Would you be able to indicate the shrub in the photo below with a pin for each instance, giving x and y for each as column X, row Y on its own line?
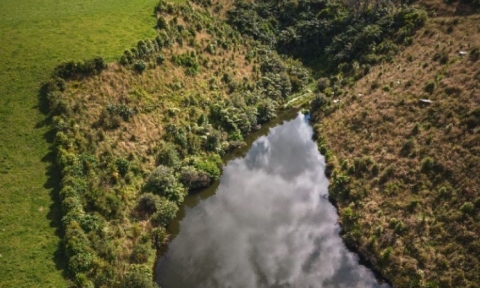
column 80, row 262
column 166, row 211
column 430, row 87
column 323, row 83
column 137, row 279
column 475, row 54
column 159, row 237
column 407, row 148
column 441, row 57
column 121, row 110
column 427, row 164
column 209, row 166
column 162, row 23
column 160, row 180
column 467, row 207
column 168, row 156
column 148, row 203
column 127, row 57
column 140, row 253
column 192, row 178
column 140, row 66
column 123, row 165
column 319, row 102
column 266, row 111
column 163, row 182
column 74, row 70
column 160, row 59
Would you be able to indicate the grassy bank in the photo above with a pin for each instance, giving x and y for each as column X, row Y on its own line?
column 35, row 37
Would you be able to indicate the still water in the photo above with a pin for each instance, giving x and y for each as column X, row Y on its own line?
column 269, row 224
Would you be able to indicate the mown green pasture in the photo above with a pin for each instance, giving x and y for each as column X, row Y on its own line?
column 35, row 36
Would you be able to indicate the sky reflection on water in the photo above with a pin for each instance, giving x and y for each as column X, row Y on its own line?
column 268, row 225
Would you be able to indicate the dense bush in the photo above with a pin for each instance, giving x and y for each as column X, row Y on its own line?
column 162, row 182
column 331, row 31
column 192, row 178
column 136, row 278
column 148, row 203
column 140, row 66
column 74, row 70
column 166, row 211
column 168, row 156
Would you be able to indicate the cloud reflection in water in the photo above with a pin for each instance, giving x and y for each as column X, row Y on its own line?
column 268, row 224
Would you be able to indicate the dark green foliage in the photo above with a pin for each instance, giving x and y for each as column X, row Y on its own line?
column 428, row 164
column 209, row 165
column 162, row 182
column 323, row 83
column 75, row 70
column 140, row 66
column 148, row 203
column 138, row 279
column 467, row 207
column 328, row 30
column 127, row 57
column 140, row 254
column 166, row 211
column 319, row 102
column 168, row 156
column 123, row 165
column 162, row 23
column 192, row 178
column 266, row 111
column 188, row 60
column 121, row 110
column 159, row 237
column 160, row 59
column 80, row 262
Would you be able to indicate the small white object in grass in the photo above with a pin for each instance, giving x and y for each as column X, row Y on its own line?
column 336, row 100
column 360, row 94
column 426, row 101
column 463, row 53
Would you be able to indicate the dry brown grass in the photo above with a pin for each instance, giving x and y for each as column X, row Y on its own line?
column 380, row 123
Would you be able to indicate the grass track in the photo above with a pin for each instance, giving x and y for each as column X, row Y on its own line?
column 35, row 35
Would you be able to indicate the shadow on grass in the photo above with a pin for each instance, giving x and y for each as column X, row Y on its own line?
column 53, row 183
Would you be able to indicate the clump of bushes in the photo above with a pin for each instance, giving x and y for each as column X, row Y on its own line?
column 140, row 66
column 77, row 69
column 162, row 182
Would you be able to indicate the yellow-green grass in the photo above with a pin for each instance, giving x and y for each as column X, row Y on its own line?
column 35, row 36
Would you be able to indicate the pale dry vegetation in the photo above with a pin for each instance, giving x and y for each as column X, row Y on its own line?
column 405, row 170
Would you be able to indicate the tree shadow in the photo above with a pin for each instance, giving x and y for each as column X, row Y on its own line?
column 53, row 183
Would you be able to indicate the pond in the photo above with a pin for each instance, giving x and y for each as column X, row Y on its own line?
column 267, row 224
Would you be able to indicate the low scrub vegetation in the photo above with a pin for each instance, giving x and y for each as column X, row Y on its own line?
column 404, row 160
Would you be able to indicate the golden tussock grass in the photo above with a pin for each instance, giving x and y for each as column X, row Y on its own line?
column 388, row 123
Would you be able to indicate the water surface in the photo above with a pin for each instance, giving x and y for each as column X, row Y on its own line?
column 269, row 224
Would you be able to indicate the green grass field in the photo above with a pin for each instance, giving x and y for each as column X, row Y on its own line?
column 35, row 35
